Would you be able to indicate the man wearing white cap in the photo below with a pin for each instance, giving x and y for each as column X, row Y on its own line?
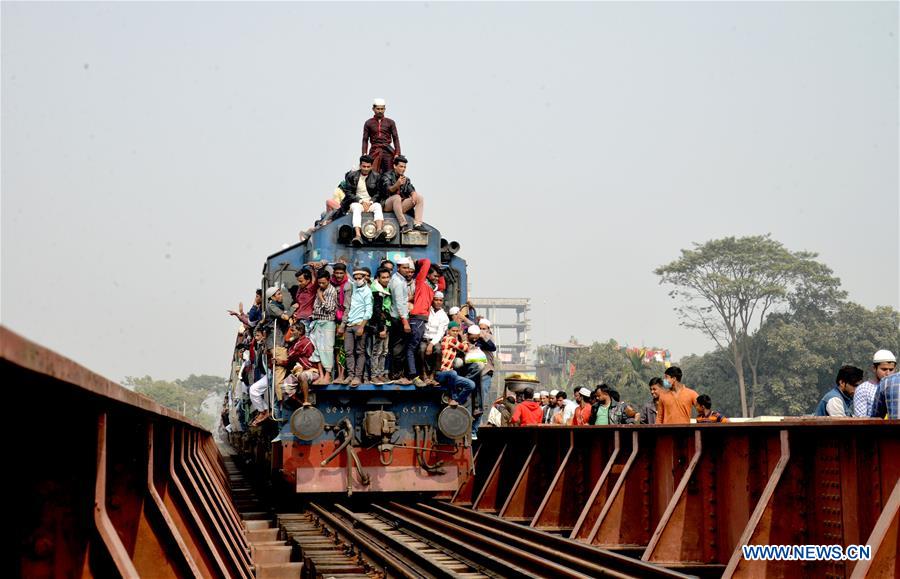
column 583, row 412
column 379, row 131
column 430, row 347
column 883, row 364
column 400, row 328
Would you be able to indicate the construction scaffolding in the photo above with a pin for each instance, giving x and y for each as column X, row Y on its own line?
column 510, row 323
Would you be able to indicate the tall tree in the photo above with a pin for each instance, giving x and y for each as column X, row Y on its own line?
column 727, row 287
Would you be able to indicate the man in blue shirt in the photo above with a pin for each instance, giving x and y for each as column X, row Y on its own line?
column 887, row 398
column 839, row 400
column 400, row 329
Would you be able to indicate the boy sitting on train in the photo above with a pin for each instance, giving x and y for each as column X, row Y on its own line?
column 459, row 387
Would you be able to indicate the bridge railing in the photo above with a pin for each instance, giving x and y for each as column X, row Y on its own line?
column 105, row 482
column 689, row 496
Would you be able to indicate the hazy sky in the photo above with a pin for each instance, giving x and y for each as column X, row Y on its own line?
column 153, row 154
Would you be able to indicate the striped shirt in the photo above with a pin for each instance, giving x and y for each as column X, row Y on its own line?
column 325, row 309
column 864, row 398
column 714, row 416
column 887, row 398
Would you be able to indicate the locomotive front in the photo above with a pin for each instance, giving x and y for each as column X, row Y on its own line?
column 370, row 437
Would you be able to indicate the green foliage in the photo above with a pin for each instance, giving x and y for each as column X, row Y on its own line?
column 727, row 288
column 800, row 356
column 184, row 395
column 606, row 362
column 711, row 374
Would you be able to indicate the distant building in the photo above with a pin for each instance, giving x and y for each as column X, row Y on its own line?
column 510, row 323
column 555, row 364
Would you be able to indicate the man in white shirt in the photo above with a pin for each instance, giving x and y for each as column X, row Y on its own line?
column 360, row 189
column 429, row 348
column 883, row 365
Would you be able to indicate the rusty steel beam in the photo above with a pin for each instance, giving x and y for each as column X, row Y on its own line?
column 98, row 477
column 689, row 496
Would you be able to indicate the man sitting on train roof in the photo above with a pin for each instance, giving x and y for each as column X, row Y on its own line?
column 401, row 196
column 360, row 189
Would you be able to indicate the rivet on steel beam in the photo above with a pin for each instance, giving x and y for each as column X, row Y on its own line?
column 43, row 546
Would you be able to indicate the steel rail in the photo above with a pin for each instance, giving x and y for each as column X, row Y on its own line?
column 575, row 553
column 375, row 552
column 493, row 553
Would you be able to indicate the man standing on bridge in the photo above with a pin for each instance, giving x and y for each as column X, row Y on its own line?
column 379, row 131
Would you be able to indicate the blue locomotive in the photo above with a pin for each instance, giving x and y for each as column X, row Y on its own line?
column 368, row 438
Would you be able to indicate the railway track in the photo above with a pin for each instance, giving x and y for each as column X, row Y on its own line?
column 414, row 539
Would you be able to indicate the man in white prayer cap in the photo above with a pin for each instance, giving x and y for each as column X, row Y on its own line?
column 378, row 132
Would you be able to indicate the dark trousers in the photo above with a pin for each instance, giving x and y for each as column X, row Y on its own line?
column 397, row 348
column 355, row 353
column 429, row 363
column 473, row 373
column 412, row 345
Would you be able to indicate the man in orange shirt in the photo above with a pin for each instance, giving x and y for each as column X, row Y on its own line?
column 583, row 412
column 675, row 403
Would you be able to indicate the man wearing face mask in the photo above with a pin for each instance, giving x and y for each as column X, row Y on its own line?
column 355, row 334
column 677, row 402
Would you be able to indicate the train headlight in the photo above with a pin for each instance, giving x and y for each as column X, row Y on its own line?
column 369, row 230
column 454, row 422
column 390, row 230
column 307, row 423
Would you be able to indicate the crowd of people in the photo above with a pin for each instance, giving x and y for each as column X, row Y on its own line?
column 351, row 327
column 670, row 402
column 854, row 396
column 356, row 327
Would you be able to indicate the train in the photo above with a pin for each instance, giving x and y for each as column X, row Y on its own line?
column 370, row 438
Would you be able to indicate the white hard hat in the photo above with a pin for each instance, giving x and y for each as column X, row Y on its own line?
column 883, row 356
